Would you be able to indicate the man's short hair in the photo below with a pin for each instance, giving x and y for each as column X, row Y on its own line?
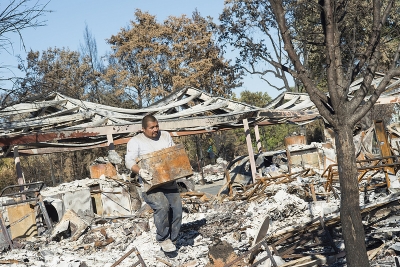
column 146, row 119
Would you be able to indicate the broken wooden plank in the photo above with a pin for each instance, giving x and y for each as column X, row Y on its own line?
column 380, row 133
column 372, row 253
column 330, row 220
column 308, row 261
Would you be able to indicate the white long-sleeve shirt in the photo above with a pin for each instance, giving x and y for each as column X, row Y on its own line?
column 140, row 145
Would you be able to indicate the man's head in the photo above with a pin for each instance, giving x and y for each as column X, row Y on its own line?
column 150, row 126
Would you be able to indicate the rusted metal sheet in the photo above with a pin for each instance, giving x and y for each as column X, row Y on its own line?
column 53, row 148
column 169, row 125
column 166, row 165
column 387, row 100
column 35, row 138
column 295, row 140
column 39, row 123
column 106, row 169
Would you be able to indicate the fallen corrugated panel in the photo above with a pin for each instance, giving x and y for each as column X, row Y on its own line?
column 78, row 201
column 115, row 202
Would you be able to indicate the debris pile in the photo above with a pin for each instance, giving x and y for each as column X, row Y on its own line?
column 211, row 173
column 218, row 224
column 290, row 216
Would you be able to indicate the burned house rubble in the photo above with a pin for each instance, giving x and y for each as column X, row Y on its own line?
column 283, row 219
column 272, row 208
column 293, row 217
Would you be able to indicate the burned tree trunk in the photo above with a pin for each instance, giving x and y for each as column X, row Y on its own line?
column 352, row 227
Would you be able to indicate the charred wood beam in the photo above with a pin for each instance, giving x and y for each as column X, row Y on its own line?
column 254, row 248
column 376, row 164
column 282, row 235
column 43, row 122
column 182, row 124
column 281, row 114
column 140, row 259
column 29, row 107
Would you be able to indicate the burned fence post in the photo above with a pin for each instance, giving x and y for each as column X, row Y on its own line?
column 113, row 156
column 18, row 168
column 53, row 179
column 199, row 156
column 258, row 141
column 110, row 142
column 250, row 149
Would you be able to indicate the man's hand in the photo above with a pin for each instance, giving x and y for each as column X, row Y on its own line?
column 146, row 176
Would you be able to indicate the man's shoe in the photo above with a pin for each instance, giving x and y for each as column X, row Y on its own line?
column 167, row 245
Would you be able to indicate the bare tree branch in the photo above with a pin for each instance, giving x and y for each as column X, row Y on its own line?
column 378, row 22
column 18, row 15
column 319, row 98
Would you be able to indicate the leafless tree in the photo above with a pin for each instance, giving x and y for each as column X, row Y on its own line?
column 15, row 16
column 89, row 49
column 348, row 40
column 18, row 15
column 341, row 111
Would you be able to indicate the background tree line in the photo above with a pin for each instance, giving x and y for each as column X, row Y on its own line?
column 148, row 60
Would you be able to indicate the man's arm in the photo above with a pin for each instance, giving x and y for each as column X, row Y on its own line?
column 169, row 138
column 132, row 152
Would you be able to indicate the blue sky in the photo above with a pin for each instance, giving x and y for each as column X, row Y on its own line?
column 66, row 24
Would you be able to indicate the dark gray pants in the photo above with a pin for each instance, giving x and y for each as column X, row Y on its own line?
column 167, row 207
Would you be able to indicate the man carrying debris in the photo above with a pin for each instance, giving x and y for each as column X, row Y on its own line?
column 165, row 200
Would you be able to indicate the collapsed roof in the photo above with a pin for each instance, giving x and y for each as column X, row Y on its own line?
column 59, row 123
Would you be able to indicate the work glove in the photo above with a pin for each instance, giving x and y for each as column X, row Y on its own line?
column 146, row 176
